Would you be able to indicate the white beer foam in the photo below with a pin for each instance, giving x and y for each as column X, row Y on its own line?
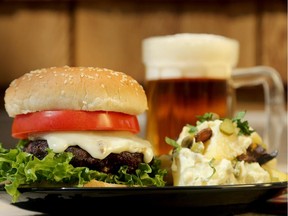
column 189, row 55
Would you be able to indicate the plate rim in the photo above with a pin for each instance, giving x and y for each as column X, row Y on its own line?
column 275, row 185
column 32, row 197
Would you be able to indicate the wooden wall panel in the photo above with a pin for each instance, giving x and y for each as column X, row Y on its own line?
column 32, row 37
column 242, row 18
column 274, row 36
column 111, row 36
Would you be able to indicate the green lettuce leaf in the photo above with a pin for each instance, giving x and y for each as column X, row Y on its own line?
column 20, row 169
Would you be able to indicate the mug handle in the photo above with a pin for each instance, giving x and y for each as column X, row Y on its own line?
column 275, row 114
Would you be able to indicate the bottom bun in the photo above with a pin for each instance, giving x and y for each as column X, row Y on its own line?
column 95, row 183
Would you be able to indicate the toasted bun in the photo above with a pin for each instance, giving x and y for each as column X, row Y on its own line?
column 75, row 88
column 95, row 183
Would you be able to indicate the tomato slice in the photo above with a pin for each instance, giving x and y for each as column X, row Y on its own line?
column 71, row 120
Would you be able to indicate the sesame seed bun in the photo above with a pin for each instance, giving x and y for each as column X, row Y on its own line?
column 75, row 88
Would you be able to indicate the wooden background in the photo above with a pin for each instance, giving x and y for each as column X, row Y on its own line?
column 36, row 34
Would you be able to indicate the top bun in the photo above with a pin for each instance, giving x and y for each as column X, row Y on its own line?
column 75, row 88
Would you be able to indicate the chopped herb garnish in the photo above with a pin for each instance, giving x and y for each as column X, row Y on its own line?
column 240, row 115
column 242, row 125
column 206, row 117
column 211, row 165
column 192, row 129
column 173, row 143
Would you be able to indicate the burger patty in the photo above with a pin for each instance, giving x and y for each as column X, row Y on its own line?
column 82, row 158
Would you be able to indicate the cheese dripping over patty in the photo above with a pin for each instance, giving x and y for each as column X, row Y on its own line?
column 98, row 144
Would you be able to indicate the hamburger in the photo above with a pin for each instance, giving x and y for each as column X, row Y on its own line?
column 77, row 126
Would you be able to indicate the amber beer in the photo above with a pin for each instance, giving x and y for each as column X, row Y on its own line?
column 186, row 76
column 174, row 103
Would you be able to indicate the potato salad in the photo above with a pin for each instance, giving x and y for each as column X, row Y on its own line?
column 222, row 151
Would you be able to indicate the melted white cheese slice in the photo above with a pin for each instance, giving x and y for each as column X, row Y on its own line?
column 98, row 144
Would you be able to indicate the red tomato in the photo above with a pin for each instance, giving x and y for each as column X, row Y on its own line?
column 71, row 120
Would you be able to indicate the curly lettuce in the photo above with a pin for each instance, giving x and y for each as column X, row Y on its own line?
column 20, row 169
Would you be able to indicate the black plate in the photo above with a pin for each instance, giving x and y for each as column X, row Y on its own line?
column 218, row 200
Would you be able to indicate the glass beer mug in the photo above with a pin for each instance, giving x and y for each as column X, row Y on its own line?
column 190, row 74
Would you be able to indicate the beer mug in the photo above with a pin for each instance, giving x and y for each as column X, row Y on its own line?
column 187, row 75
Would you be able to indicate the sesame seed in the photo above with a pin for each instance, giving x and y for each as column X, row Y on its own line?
column 114, row 73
